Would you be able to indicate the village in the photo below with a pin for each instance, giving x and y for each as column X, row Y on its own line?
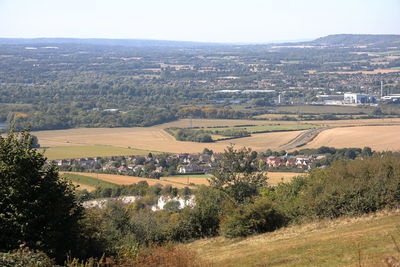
column 158, row 165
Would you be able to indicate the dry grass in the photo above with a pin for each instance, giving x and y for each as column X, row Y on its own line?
column 124, row 179
column 273, row 178
column 83, row 186
column 277, row 177
column 361, row 241
column 377, row 137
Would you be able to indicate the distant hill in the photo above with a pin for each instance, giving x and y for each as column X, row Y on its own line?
column 358, row 40
column 101, row 41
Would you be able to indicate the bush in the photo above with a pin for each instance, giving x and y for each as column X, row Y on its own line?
column 251, row 218
column 353, row 187
column 24, row 257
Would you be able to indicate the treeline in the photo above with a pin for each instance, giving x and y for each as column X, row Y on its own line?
column 200, row 136
column 140, row 189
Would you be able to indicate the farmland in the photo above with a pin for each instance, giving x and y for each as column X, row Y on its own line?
column 380, row 134
column 273, row 178
column 362, row 241
column 377, row 137
column 86, row 182
column 149, row 139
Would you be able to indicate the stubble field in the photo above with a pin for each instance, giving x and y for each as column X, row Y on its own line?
column 377, row 137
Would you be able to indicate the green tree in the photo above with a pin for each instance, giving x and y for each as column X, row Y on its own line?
column 236, row 174
column 37, row 207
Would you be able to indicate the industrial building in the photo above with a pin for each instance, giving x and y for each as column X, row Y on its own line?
column 354, row 98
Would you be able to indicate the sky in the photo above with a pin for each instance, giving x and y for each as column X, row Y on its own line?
column 238, row 21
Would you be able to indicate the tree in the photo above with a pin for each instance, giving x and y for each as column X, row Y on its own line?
column 236, row 174
column 37, row 207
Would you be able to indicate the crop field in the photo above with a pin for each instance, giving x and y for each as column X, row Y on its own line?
column 150, row 139
column 273, row 178
column 377, row 137
column 124, row 179
column 86, row 181
column 324, row 109
column 63, row 152
column 362, row 241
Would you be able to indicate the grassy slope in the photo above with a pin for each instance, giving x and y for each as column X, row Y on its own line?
column 361, row 241
column 86, row 180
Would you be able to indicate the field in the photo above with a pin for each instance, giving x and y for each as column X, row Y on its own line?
column 86, row 182
column 362, row 241
column 150, row 139
column 89, row 142
column 377, row 137
column 273, row 178
column 124, row 179
column 62, row 152
column 324, row 109
column 273, row 127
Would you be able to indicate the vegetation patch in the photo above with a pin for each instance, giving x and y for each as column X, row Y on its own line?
column 86, row 180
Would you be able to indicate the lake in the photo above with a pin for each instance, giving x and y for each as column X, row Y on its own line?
column 3, row 125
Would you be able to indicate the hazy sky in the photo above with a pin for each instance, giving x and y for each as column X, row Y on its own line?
column 200, row 20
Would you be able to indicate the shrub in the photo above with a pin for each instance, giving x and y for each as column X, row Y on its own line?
column 251, row 218
column 24, row 257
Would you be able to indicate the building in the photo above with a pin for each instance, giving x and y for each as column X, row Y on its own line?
column 354, row 98
column 391, row 98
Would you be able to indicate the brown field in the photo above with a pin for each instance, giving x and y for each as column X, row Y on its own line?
column 126, row 180
column 273, row 178
column 154, row 139
column 356, row 122
column 186, row 180
column 377, row 137
column 276, row 177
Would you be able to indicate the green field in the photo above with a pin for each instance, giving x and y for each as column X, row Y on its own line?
column 321, row 109
column 86, row 180
column 362, row 241
column 71, row 152
column 262, row 128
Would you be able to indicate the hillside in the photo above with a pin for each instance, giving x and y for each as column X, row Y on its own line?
column 362, row 241
column 385, row 40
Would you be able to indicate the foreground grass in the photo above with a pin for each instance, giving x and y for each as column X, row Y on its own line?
column 362, row 241
column 86, row 180
column 70, row 152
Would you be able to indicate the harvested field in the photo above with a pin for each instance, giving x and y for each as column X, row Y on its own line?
column 153, row 139
column 386, row 121
column 273, row 178
column 276, row 177
column 377, row 137
column 263, row 141
column 124, row 179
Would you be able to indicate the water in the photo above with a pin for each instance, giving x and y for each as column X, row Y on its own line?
column 3, row 125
